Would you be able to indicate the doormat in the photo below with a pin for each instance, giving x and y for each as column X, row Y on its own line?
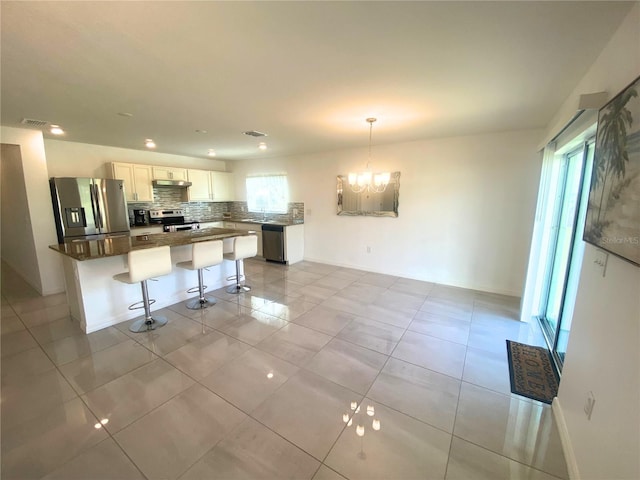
column 531, row 372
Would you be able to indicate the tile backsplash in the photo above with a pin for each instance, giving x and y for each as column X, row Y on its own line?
column 295, row 212
column 175, row 198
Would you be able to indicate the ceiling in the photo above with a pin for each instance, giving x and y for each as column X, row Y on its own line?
column 306, row 73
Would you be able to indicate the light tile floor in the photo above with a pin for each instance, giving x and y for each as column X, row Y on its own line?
column 257, row 386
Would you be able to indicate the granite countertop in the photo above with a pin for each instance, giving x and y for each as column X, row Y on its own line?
column 110, row 247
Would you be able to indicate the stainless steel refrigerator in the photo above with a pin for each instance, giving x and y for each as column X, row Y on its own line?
column 88, row 208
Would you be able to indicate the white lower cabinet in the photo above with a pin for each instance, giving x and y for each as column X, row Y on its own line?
column 293, row 244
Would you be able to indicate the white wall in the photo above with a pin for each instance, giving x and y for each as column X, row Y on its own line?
column 466, row 208
column 18, row 247
column 71, row 159
column 25, row 242
column 603, row 354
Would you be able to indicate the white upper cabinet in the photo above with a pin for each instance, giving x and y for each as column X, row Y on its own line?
column 200, row 189
column 169, row 173
column 137, row 181
column 209, row 186
column 222, row 186
column 206, row 186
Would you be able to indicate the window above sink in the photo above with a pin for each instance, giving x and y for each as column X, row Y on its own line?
column 267, row 193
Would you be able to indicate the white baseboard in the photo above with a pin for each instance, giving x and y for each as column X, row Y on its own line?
column 567, row 448
column 390, row 271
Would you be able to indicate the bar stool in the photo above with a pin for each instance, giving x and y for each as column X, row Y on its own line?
column 203, row 254
column 245, row 246
column 144, row 264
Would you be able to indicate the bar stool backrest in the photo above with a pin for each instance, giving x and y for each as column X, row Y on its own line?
column 147, row 263
column 206, row 254
column 245, row 246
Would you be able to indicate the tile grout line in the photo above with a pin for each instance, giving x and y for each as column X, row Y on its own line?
column 334, row 336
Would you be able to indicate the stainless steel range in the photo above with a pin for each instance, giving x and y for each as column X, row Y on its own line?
column 172, row 220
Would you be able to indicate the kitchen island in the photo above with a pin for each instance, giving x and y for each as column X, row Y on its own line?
column 98, row 301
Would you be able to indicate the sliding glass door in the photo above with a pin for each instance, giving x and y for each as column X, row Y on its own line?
column 565, row 242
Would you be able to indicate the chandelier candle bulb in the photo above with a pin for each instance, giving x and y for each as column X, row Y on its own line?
column 370, row 410
column 376, row 424
column 366, row 180
column 360, row 430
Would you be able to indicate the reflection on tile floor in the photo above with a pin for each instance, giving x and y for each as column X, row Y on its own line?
column 319, row 372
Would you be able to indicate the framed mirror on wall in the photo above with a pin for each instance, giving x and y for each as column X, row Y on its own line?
column 367, row 202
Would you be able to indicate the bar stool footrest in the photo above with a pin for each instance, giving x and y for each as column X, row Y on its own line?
column 140, row 304
column 196, row 289
column 234, row 278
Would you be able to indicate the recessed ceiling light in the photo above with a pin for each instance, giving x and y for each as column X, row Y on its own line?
column 125, row 114
column 211, row 152
column 56, row 130
column 149, row 143
column 262, row 146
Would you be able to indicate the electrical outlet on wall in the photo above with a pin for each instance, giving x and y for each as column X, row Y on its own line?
column 601, row 260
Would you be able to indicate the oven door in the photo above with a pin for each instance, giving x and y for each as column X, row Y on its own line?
column 179, row 228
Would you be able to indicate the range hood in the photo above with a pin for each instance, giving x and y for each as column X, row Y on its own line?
column 171, row 183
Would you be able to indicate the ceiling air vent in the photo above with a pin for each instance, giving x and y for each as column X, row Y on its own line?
column 30, row 122
column 253, row 133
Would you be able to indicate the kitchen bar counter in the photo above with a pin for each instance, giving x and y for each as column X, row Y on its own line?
column 98, row 301
column 249, row 221
column 109, row 247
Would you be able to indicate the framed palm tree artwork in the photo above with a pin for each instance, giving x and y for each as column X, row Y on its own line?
column 613, row 211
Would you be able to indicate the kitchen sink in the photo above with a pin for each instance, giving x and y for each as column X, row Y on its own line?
column 257, row 221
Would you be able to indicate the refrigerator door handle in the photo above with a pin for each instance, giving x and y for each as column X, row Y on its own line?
column 96, row 205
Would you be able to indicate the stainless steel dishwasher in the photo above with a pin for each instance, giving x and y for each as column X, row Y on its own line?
column 273, row 243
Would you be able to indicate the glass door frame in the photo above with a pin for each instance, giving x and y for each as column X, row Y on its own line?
column 552, row 335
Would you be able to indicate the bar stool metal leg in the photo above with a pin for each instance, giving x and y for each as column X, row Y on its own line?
column 203, row 301
column 238, row 287
column 148, row 322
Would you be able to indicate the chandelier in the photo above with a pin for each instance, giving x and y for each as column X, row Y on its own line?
column 367, row 180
